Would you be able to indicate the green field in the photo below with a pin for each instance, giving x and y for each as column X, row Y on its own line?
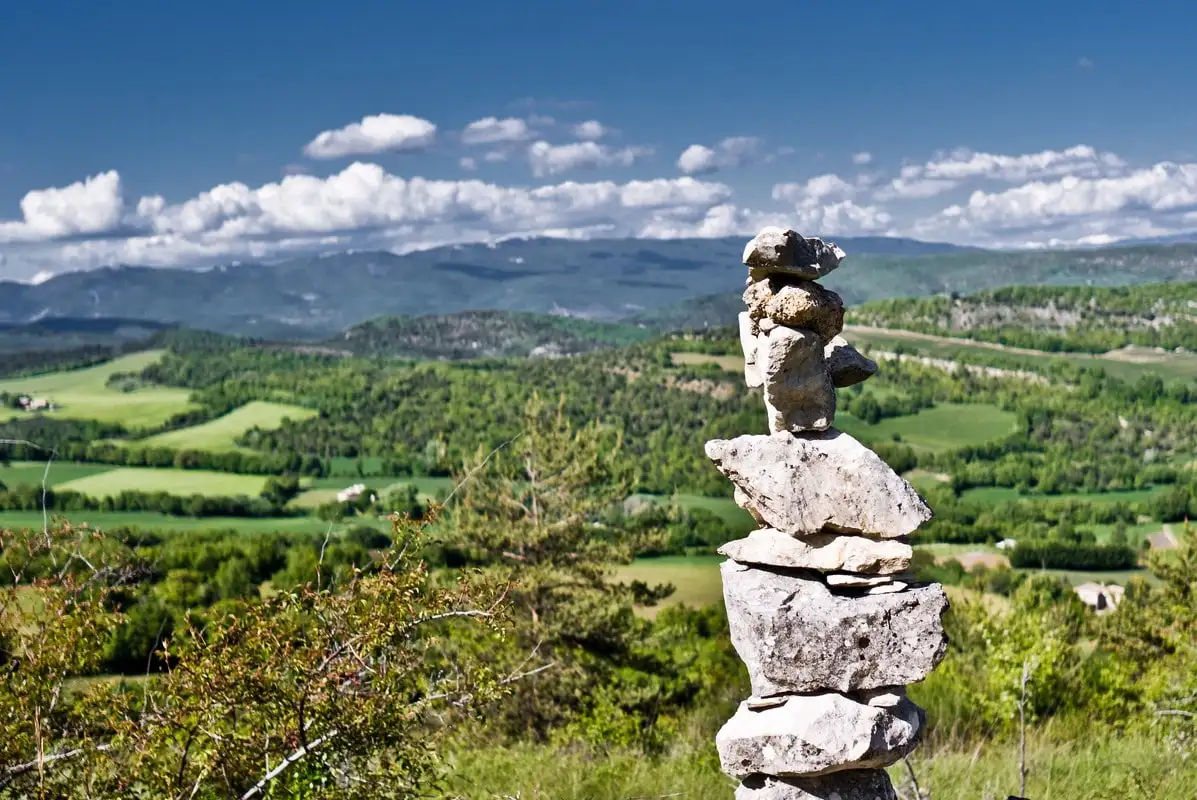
column 992, row 495
column 695, row 578
column 34, row 472
column 222, row 432
column 174, row 481
column 943, row 427
column 108, row 520
column 83, row 394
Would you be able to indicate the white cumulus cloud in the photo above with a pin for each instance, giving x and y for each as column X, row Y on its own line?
column 547, row 159
column 590, row 130
column 735, row 151
column 467, row 163
column 375, row 134
column 492, row 130
column 862, row 158
column 91, row 206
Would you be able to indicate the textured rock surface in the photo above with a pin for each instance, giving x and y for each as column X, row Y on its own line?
column 808, row 305
column 781, row 251
column 822, row 551
column 795, row 635
column 846, row 364
column 862, row 784
column 816, row 734
column 795, row 304
column 798, row 392
column 748, row 343
column 806, row 483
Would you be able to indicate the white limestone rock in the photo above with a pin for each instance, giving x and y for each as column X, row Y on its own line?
column 825, row 552
column 748, row 343
column 846, row 365
column 795, row 635
column 818, row 482
column 863, row 784
column 816, row 735
column 857, row 581
column 798, row 393
column 780, row 251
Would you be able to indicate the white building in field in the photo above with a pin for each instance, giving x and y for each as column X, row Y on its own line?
column 1099, row 596
column 352, row 493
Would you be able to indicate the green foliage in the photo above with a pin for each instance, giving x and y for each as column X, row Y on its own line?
column 1072, row 555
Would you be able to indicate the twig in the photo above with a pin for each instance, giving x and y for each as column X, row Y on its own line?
column 470, row 474
column 1022, row 728
column 914, row 781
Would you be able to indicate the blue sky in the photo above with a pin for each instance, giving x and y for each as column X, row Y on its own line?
column 172, row 134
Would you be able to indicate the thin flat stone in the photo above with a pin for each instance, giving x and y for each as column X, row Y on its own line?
column 857, row 580
column 818, row 482
column 795, row 635
column 825, row 552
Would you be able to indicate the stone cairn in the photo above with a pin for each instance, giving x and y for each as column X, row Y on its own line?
column 820, row 607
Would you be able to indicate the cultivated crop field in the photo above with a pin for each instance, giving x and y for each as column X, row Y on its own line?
column 33, row 473
column 152, row 520
column 221, row 434
column 84, row 394
column 183, row 482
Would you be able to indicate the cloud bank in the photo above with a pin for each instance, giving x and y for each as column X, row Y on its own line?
column 1077, row 195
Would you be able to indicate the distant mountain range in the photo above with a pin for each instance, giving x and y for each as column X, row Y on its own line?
column 652, row 283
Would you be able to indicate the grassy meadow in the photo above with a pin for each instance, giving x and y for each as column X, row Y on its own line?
column 84, row 394
column 151, row 520
column 221, row 433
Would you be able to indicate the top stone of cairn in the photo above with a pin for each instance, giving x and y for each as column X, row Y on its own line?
column 781, row 251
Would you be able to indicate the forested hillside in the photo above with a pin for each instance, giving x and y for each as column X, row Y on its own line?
column 1053, row 318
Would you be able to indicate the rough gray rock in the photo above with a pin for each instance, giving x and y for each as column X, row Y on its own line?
column 862, row 784
column 822, row 551
column 778, row 251
column 795, row 635
column 818, row 482
column 798, row 393
column 748, row 343
column 796, row 304
column 846, row 364
column 816, row 735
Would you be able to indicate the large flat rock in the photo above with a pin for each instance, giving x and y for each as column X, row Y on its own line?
column 818, row 482
column 815, row 735
column 781, row 251
column 826, row 552
column 795, row 635
column 798, row 391
column 862, row 784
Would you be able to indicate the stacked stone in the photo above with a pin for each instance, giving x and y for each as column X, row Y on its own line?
column 820, row 607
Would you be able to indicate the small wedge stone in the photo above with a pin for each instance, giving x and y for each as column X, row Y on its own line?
column 846, row 365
